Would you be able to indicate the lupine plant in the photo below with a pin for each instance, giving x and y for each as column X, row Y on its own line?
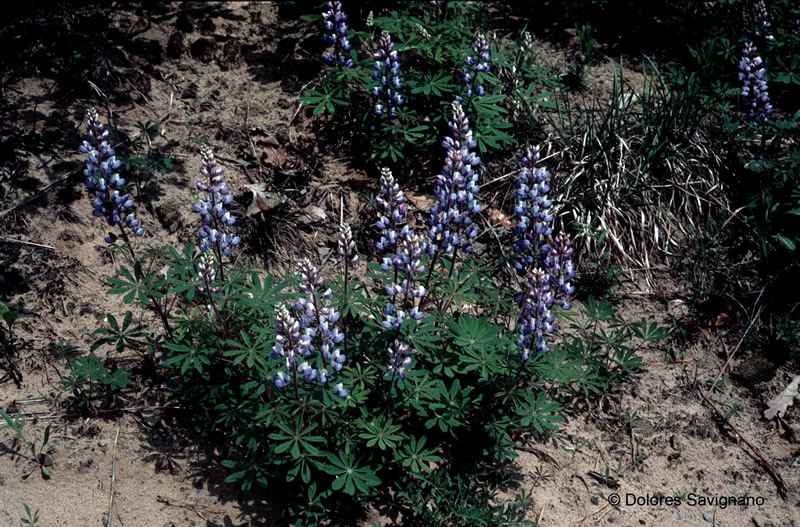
column 387, row 75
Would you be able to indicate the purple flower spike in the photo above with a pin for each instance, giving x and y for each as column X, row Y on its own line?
column 335, row 34
column 535, row 321
column 755, row 91
column 761, row 19
column 346, row 247
column 534, row 221
column 455, row 190
column 402, row 251
column 480, row 61
column 387, row 73
column 207, row 272
column 399, row 359
column 110, row 199
column 212, row 207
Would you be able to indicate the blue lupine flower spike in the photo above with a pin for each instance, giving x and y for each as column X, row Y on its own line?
column 455, row 189
column 480, row 61
column 532, row 207
column 213, row 208
column 762, row 22
column 755, row 92
column 111, row 201
column 387, row 73
column 335, row 34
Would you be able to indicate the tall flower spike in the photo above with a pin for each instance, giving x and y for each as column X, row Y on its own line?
column 455, row 190
column 754, row 85
column 212, row 207
column 479, row 61
column 335, row 27
column 562, row 269
column 287, row 344
column 402, row 251
column 318, row 321
column 111, row 201
column 346, row 245
column 535, row 320
column 534, row 221
column 761, row 18
column 387, row 73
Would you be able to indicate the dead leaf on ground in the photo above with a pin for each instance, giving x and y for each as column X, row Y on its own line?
column 275, row 156
column 262, row 200
column 780, row 404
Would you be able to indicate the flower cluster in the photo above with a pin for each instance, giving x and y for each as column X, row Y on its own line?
column 111, row 201
column 455, row 190
column 763, row 25
column 387, row 73
column 402, row 250
column 346, row 246
column 334, row 22
column 207, row 273
column 535, row 223
column 216, row 218
column 547, row 268
column 480, row 61
column 754, row 85
column 399, row 358
column 314, row 330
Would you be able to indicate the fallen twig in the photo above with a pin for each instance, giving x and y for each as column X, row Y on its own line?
column 113, row 479
column 730, row 357
column 32, row 244
column 779, row 483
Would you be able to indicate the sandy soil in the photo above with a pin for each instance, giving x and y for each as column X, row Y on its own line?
column 233, row 75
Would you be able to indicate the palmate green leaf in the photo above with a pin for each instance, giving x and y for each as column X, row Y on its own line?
column 540, row 412
column 351, row 475
column 296, row 440
column 187, row 355
column 437, row 83
column 471, row 332
column 121, row 337
column 382, row 433
column 415, row 456
column 134, row 285
column 252, row 352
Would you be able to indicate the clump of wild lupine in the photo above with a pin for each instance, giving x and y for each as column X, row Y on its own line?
column 546, row 267
column 213, row 208
column 451, row 224
column 479, row 62
column 334, row 22
column 402, row 251
column 755, row 92
column 311, row 335
column 387, row 74
column 111, row 201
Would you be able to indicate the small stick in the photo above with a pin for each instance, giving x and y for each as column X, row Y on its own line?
column 770, row 470
column 730, row 357
column 113, row 478
column 32, row 244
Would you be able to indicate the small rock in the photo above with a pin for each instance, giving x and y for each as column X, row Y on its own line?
column 70, row 462
column 185, row 23
column 595, row 500
column 102, row 443
column 676, row 443
column 718, row 452
column 708, row 517
column 201, row 494
column 176, row 46
column 673, row 456
column 203, row 49
column 677, row 516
